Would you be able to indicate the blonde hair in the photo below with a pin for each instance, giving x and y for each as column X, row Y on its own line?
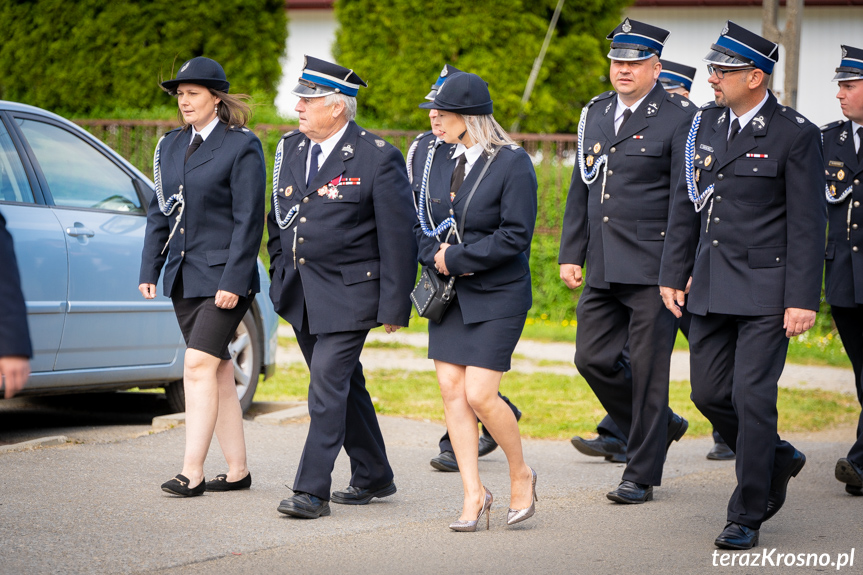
column 486, row 131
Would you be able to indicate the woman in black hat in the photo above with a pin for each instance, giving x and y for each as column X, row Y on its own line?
column 204, row 226
column 480, row 167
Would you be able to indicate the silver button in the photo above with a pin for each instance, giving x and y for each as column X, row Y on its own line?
column 181, row 187
column 302, row 220
column 715, row 242
column 302, row 261
column 853, row 226
column 281, row 190
column 754, row 169
column 182, row 231
column 301, row 241
column 610, row 172
column 341, row 197
column 607, row 196
column 183, row 254
column 643, row 150
column 605, row 219
column 718, row 198
column 613, row 149
column 451, row 212
column 306, row 200
column 720, row 176
column 662, row 234
column 715, row 220
column 856, row 204
column 854, row 249
column 777, row 259
column 856, row 182
column 368, row 274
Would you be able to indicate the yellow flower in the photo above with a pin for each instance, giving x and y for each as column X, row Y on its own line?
column 544, row 316
column 564, row 323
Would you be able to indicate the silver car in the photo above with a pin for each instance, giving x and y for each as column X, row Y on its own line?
column 77, row 213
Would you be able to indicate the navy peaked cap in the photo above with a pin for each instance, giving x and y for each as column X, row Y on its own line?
column 738, row 47
column 201, row 71
column 322, row 78
column 633, row 40
column 676, row 75
column 851, row 66
column 448, row 70
column 463, row 93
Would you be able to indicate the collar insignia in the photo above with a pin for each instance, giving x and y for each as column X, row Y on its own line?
column 607, row 108
column 758, row 122
column 843, row 135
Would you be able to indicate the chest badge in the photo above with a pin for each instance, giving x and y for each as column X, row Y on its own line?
column 840, row 175
column 589, row 161
column 707, row 161
column 597, row 147
column 836, row 164
column 288, row 191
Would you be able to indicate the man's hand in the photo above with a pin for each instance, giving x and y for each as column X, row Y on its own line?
column 147, row 290
column 571, row 275
column 797, row 321
column 392, row 328
column 673, row 299
column 226, row 299
column 14, row 371
column 440, row 260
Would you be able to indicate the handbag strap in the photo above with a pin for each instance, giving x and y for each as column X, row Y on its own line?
column 460, row 229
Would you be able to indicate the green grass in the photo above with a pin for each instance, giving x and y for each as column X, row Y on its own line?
column 555, row 406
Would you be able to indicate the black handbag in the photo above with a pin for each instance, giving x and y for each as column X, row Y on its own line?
column 434, row 292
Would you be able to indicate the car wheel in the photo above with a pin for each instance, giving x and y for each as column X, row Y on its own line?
column 245, row 350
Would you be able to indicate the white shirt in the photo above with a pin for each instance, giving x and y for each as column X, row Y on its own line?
column 471, row 155
column 855, row 128
column 745, row 118
column 208, row 129
column 621, row 107
column 327, row 147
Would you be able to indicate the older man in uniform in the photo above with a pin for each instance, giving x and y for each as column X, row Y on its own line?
column 843, row 157
column 15, row 350
column 753, row 246
column 615, row 220
column 342, row 261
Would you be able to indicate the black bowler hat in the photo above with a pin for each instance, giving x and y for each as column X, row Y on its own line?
column 201, row 71
column 851, row 66
column 463, row 93
column 321, row 78
column 633, row 40
column 676, row 75
column 738, row 47
column 444, row 74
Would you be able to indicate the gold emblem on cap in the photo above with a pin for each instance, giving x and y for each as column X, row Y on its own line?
column 589, row 161
column 840, row 174
column 597, row 147
column 707, row 161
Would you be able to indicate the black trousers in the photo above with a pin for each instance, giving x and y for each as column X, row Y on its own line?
column 342, row 415
column 849, row 322
column 736, row 362
column 444, row 442
column 607, row 320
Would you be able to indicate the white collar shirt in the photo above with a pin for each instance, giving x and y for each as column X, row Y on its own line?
column 621, row 107
column 747, row 117
column 208, row 129
column 858, row 135
column 471, row 154
column 327, row 147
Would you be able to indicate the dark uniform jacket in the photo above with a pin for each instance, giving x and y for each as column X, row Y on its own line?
column 220, row 232
column 620, row 236
column 14, row 332
column 355, row 260
column 844, row 270
column 763, row 251
column 497, row 233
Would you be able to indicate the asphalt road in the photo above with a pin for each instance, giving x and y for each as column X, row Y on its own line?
column 96, row 507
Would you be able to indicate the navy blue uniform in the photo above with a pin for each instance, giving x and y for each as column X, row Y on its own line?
column 618, row 231
column 843, row 281
column 346, row 264
column 217, row 241
column 14, row 332
column 756, row 250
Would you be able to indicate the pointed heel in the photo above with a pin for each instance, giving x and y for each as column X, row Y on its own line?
column 514, row 516
column 470, row 526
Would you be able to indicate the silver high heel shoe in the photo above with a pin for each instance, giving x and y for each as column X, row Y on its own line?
column 471, row 525
column 514, row 516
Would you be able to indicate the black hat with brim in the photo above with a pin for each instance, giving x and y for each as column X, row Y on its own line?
column 201, row 71
column 463, row 93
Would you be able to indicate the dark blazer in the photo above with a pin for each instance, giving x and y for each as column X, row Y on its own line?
column 620, row 237
column 843, row 280
column 219, row 236
column 497, row 235
column 14, row 332
column 764, row 249
column 355, row 253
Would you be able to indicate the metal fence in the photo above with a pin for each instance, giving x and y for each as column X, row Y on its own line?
column 553, row 155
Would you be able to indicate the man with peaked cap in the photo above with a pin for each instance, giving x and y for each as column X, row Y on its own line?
column 615, row 222
column 747, row 225
column 676, row 78
column 417, row 154
column 342, row 261
column 843, row 282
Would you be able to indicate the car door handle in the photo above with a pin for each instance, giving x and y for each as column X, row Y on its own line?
column 76, row 232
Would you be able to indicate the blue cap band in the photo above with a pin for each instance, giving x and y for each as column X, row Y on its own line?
column 851, row 64
column 638, row 40
column 684, row 81
column 760, row 60
column 344, row 89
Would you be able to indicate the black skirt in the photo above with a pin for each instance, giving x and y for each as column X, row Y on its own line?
column 206, row 327
column 487, row 344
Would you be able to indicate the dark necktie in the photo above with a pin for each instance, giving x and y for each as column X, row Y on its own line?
column 735, row 129
column 860, row 149
column 313, row 167
column 457, row 176
column 626, row 114
column 196, row 143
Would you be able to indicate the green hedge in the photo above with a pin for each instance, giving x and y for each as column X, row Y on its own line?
column 88, row 56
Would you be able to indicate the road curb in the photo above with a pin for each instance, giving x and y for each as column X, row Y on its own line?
column 290, row 415
column 35, row 443
column 169, row 421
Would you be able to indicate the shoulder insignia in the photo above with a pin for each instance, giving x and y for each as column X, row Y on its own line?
column 380, row 143
column 291, row 133
column 513, row 146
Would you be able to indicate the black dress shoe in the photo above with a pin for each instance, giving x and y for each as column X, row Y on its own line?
column 445, row 461
column 631, row 492
column 851, row 475
column 720, row 452
column 305, row 506
column 779, row 484
column 607, row 446
column 487, row 444
column 677, row 426
column 359, row 496
column 179, row 485
column 221, row 483
column 737, row 536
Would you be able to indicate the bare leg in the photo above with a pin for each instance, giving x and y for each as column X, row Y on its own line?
column 481, row 387
column 202, row 407
column 463, row 434
column 229, row 424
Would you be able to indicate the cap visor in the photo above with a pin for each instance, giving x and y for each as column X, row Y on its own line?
column 629, row 55
column 848, row 76
column 715, row 57
column 431, row 95
column 304, row 91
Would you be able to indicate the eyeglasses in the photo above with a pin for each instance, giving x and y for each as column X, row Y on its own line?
column 720, row 72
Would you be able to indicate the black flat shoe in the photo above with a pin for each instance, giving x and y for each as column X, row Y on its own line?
column 737, row 536
column 720, row 452
column 359, row 496
column 607, row 446
column 221, row 483
column 677, row 426
column 179, row 485
column 779, row 484
column 445, row 461
column 487, row 444
column 305, row 506
column 631, row 492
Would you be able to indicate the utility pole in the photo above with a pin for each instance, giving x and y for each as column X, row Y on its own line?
column 789, row 38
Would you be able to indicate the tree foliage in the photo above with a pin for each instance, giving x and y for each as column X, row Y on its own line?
column 399, row 47
column 98, row 55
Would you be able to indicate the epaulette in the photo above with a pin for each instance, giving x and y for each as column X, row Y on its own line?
column 793, row 116
column 831, row 125
column 681, row 102
column 602, row 96
column 291, row 134
column 239, row 129
column 423, row 135
column 710, row 104
column 378, row 142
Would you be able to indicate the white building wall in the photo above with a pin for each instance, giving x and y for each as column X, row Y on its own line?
column 310, row 32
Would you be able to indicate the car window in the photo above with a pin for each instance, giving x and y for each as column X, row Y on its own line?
column 78, row 175
column 14, row 186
